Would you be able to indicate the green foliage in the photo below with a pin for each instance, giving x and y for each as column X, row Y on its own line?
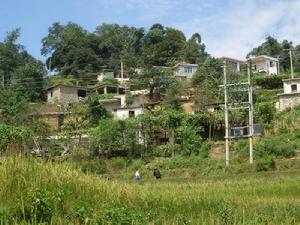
column 113, row 138
column 277, row 146
column 124, row 216
column 166, row 150
column 96, row 167
column 109, row 81
column 28, row 81
column 154, row 79
column 265, row 164
column 264, row 112
column 13, row 107
column 172, row 99
column 13, row 135
column 270, row 82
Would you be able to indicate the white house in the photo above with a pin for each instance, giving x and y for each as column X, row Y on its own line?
column 185, row 70
column 119, row 75
column 265, row 64
column 127, row 112
column 291, row 94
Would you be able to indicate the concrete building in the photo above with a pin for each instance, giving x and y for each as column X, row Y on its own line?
column 121, row 76
column 265, row 64
column 65, row 94
column 185, row 70
column 235, row 64
column 291, row 94
column 127, row 112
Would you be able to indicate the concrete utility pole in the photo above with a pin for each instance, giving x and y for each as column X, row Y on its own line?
column 250, row 112
column 122, row 70
column 291, row 62
column 240, row 87
column 226, row 116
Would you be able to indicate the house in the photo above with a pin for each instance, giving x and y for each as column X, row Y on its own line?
column 109, row 89
column 185, row 71
column 127, row 112
column 265, row 64
column 235, row 64
column 65, row 94
column 121, row 76
column 291, row 94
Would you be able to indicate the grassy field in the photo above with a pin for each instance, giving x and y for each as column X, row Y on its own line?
column 35, row 192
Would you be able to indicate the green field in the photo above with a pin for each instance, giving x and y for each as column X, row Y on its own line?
column 35, row 192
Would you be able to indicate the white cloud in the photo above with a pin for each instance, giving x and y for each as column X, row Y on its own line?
column 243, row 25
column 227, row 27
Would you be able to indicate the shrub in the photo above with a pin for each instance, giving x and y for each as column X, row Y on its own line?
column 118, row 163
column 94, row 167
column 205, row 148
column 122, row 216
column 270, row 82
column 277, row 146
column 165, row 150
column 265, row 164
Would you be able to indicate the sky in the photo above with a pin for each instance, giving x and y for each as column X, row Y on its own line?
column 227, row 27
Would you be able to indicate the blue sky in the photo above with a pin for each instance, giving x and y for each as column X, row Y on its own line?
column 227, row 27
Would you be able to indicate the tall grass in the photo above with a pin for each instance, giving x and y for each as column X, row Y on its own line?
column 33, row 192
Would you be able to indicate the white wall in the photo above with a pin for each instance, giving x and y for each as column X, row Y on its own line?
column 287, row 86
column 265, row 66
column 122, row 114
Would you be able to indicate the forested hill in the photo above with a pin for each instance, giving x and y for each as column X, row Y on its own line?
column 70, row 49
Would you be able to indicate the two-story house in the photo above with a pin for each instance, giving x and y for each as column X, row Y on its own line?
column 265, row 64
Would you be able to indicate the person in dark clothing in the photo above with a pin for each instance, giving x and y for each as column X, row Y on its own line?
column 157, row 173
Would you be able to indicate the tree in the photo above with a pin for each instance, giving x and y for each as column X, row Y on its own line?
column 28, row 81
column 70, row 49
column 172, row 99
column 13, row 108
column 194, row 51
column 155, row 79
column 162, row 46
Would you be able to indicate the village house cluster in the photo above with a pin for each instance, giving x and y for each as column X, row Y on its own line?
column 121, row 109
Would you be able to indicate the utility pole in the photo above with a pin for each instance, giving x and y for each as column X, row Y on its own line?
column 122, row 70
column 240, row 87
column 250, row 98
column 291, row 61
column 226, row 116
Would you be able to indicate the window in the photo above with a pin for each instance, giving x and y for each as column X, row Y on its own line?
column 188, row 69
column 255, row 68
column 81, row 93
column 131, row 114
column 294, row 87
column 271, row 64
column 51, row 94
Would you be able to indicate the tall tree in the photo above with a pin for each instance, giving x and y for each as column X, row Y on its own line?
column 70, row 50
column 194, row 51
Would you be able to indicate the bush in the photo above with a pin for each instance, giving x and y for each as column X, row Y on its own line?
column 118, row 163
column 205, row 148
column 165, row 150
column 265, row 164
column 271, row 82
column 277, row 146
column 94, row 167
column 122, row 216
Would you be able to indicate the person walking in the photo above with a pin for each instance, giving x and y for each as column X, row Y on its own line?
column 157, row 173
column 137, row 176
